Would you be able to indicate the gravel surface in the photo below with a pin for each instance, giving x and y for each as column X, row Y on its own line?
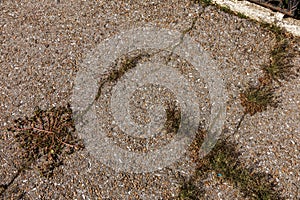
column 43, row 44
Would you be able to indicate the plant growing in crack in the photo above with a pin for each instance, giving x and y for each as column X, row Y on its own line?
column 279, row 67
column 224, row 159
column 257, row 99
column 45, row 138
column 127, row 63
column 190, row 191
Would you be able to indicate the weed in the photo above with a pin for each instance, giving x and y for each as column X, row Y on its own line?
column 257, row 99
column 173, row 115
column 196, row 144
column 222, row 8
column 241, row 15
column 227, row 10
column 189, row 191
column 279, row 68
column 127, row 63
column 45, row 138
column 276, row 30
column 203, row 2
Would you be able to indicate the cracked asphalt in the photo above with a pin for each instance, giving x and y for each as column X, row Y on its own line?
column 44, row 43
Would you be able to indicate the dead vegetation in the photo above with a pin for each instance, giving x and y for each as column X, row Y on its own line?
column 44, row 139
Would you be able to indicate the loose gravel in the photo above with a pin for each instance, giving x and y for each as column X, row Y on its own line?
column 43, row 44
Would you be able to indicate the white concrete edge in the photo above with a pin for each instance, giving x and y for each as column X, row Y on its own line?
column 261, row 14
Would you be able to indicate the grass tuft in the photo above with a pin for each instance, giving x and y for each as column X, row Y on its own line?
column 279, row 68
column 257, row 99
column 279, row 32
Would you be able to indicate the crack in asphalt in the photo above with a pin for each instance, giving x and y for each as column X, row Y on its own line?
column 136, row 59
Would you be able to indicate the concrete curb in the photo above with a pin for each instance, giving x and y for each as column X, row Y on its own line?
column 261, row 14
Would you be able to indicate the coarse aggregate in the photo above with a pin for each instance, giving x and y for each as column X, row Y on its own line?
column 43, row 44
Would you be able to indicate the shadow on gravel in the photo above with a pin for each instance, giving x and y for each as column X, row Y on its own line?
column 224, row 158
column 224, row 161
